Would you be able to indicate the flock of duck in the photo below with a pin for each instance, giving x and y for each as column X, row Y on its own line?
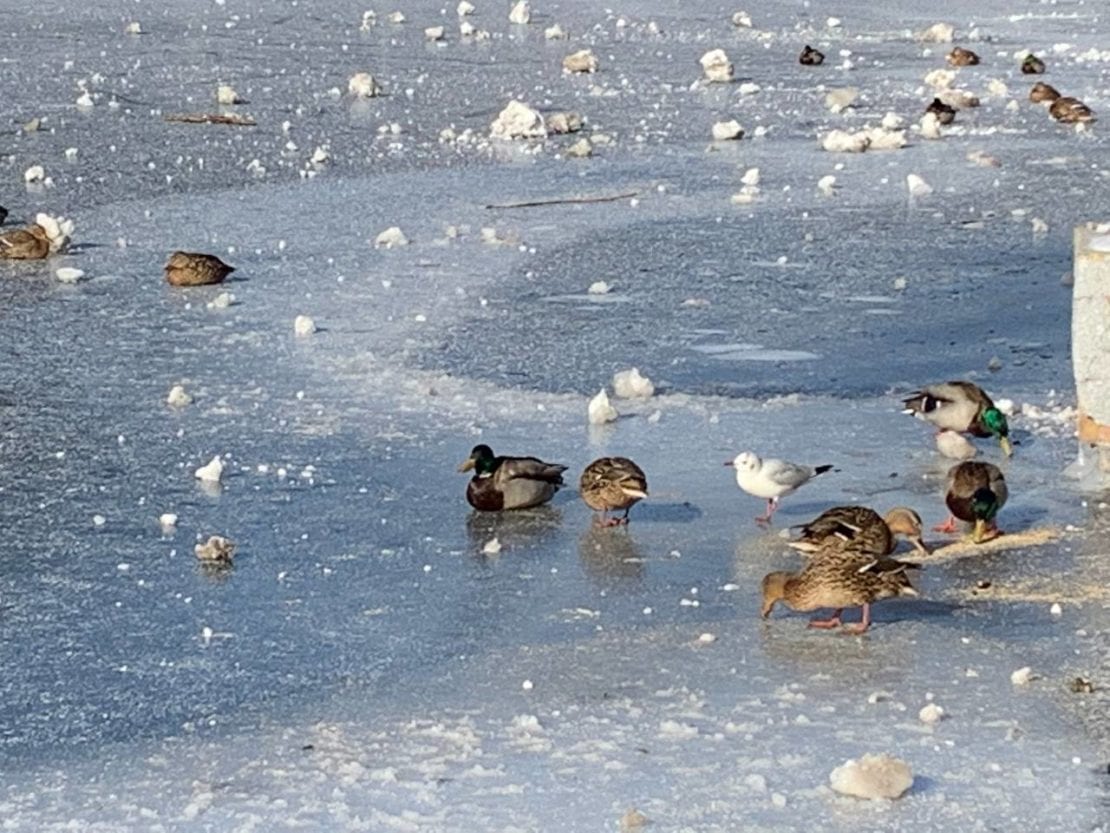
column 848, row 548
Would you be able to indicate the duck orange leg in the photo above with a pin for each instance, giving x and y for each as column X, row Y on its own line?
column 863, row 624
column 827, row 624
column 947, row 526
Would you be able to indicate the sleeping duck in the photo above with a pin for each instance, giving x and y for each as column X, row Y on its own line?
column 31, row 243
column 509, row 482
column 195, row 269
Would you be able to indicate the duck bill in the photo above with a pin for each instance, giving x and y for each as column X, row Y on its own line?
column 467, row 464
column 979, row 534
column 919, row 545
column 765, row 611
column 1007, row 448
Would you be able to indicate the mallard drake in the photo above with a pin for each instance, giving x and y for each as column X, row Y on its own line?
column 811, row 57
column 960, row 57
column 609, row 484
column 31, row 243
column 195, row 269
column 509, row 482
column 974, row 493
column 860, row 529
column 1032, row 65
column 838, row 579
column 771, row 479
column 1042, row 92
column 962, row 407
column 1070, row 110
column 945, row 113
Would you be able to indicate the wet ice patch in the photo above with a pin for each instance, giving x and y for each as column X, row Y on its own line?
column 744, row 352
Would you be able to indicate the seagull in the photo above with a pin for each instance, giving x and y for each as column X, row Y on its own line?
column 771, row 479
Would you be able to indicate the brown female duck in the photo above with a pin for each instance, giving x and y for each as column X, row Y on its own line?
column 860, row 529
column 838, row 579
column 195, row 269
column 29, row 243
column 610, row 484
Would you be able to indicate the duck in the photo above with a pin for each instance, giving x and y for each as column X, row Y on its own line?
column 31, row 243
column 610, row 484
column 811, row 57
column 974, row 493
column 1032, row 65
column 217, row 550
column 945, row 113
column 1042, row 92
column 1068, row 110
column 963, row 407
column 860, row 529
column 502, row 483
column 838, row 579
column 195, row 269
column 3, row 214
column 960, row 57
column 771, row 479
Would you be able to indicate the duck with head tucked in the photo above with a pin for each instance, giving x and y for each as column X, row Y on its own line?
column 31, row 243
column 610, row 484
column 195, row 269
column 963, row 407
column 501, row 483
column 974, row 493
column 860, row 529
column 838, row 579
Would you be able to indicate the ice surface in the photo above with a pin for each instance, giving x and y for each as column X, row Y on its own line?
column 363, row 665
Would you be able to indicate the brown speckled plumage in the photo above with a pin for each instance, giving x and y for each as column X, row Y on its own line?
column 29, row 243
column 860, row 529
column 838, row 579
column 195, row 269
column 610, row 484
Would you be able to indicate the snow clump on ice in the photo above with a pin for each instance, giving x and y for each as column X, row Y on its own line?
column 716, row 66
column 363, row 85
column 631, row 384
column 724, row 131
column 391, row 238
column 872, row 777
column 212, row 471
column 600, row 410
column 518, row 121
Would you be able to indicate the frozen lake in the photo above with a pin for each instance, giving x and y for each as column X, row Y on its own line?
column 365, row 665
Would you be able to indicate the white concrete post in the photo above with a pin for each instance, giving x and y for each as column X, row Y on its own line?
column 1090, row 343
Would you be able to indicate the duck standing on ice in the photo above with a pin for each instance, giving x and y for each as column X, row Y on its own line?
column 963, row 407
column 771, row 479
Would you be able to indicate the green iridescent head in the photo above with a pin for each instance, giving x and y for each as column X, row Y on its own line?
column 481, row 460
column 984, row 504
column 995, row 422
